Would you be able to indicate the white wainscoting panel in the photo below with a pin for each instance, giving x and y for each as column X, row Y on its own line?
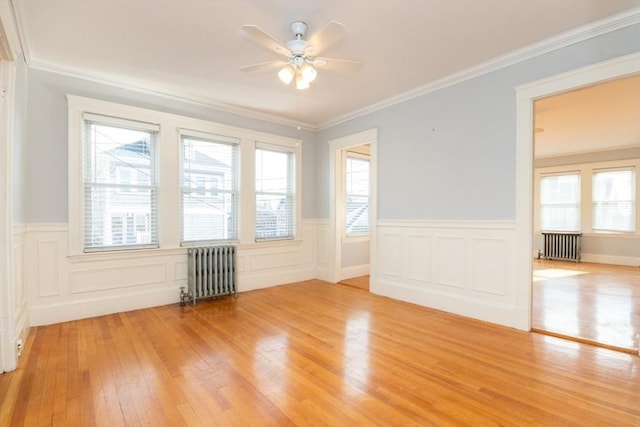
column 391, row 262
column 490, row 272
column 461, row 267
column 321, row 254
column 63, row 287
column 451, row 265
column 418, row 257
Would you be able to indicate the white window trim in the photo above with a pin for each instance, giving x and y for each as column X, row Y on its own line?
column 586, row 171
column 169, row 183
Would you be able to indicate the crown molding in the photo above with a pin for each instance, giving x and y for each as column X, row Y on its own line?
column 576, row 35
column 167, row 94
column 597, row 28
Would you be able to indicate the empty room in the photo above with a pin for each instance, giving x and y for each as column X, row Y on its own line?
column 359, row 212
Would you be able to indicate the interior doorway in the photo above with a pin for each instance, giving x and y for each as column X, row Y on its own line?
column 353, row 196
column 525, row 98
column 585, row 139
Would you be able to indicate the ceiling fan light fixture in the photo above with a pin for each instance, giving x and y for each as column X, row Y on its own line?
column 301, row 83
column 309, row 73
column 287, row 73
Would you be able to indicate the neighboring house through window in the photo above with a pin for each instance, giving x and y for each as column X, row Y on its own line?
column 120, row 190
column 209, row 188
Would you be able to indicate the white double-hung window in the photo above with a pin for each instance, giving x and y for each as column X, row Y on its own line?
column 614, row 200
column 275, row 183
column 119, row 183
column 560, row 202
column 357, row 194
column 209, row 187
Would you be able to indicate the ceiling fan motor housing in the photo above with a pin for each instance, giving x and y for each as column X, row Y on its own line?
column 299, row 29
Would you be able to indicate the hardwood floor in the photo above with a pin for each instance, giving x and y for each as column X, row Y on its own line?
column 312, row 353
column 591, row 302
column 361, row 282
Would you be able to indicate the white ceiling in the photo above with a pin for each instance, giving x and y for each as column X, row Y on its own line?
column 601, row 117
column 193, row 48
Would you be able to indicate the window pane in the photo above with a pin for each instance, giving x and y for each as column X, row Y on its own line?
column 357, row 196
column 614, row 200
column 275, row 198
column 119, row 187
column 209, row 190
column 560, row 202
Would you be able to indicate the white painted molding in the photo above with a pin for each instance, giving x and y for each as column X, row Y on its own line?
column 354, row 271
column 462, row 267
column 616, row 22
column 8, row 305
column 63, row 287
column 510, row 224
column 576, row 35
column 611, row 259
column 336, row 208
column 165, row 93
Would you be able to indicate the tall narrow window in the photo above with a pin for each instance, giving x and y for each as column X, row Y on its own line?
column 209, row 188
column 275, row 193
column 120, row 184
column 357, row 194
column 614, row 200
column 560, row 202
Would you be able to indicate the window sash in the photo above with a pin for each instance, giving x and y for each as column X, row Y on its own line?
column 117, row 151
column 560, row 202
column 357, row 198
column 614, row 200
column 275, row 193
column 209, row 188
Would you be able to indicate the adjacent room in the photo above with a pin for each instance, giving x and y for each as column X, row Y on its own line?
column 586, row 284
column 317, row 212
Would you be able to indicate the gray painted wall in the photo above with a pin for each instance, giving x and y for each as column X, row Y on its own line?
column 45, row 181
column 450, row 154
column 355, row 254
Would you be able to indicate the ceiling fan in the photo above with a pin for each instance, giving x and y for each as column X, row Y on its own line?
column 300, row 56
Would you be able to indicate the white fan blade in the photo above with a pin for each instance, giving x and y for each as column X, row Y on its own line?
column 330, row 34
column 264, row 66
column 337, row 64
column 259, row 36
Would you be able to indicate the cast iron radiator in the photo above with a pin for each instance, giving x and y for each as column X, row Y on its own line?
column 212, row 272
column 562, row 246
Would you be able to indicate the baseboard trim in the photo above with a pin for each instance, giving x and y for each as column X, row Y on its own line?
column 355, row 271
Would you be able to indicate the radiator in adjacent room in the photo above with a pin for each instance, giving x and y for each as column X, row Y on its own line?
column 562, row 246
column 211, row 273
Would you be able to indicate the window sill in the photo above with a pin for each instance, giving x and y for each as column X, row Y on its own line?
column 156, row 252
column 124, row 254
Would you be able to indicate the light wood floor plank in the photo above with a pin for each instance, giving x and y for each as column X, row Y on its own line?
column 312, row 353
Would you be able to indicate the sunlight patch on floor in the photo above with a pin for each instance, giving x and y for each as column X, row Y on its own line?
column 554, row 273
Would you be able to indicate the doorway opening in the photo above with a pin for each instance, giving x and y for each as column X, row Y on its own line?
column 586, row 162
column 527, row 95
column 353, row 208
